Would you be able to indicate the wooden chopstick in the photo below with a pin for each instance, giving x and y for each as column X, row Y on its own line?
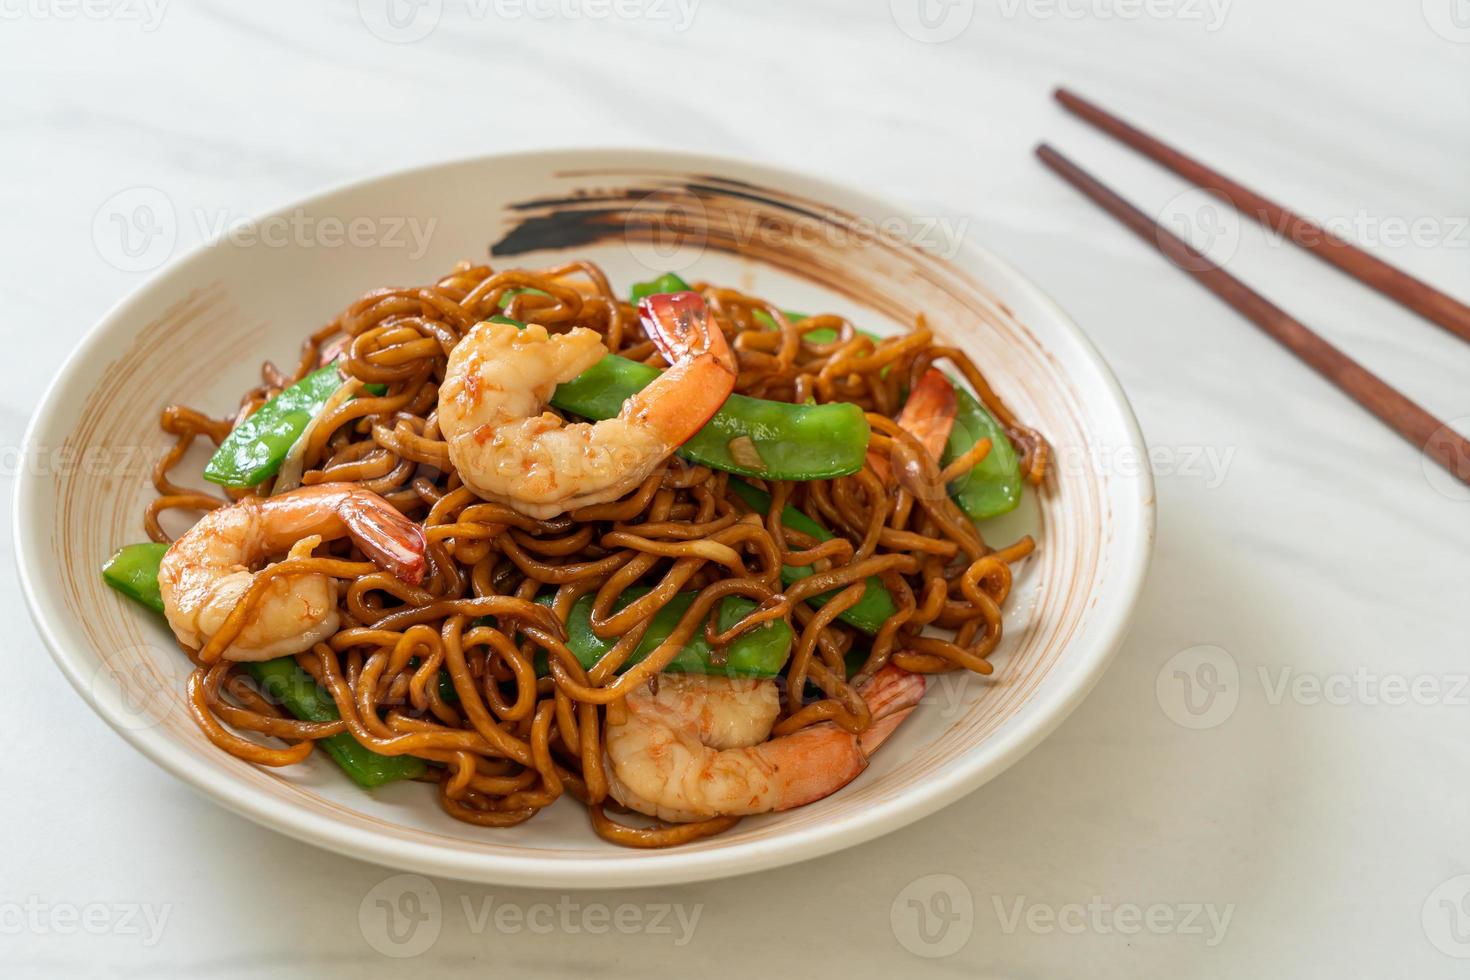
column 1423, row 430
column 1397, row 285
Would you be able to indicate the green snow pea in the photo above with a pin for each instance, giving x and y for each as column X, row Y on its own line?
column 133, row 571
column 749, row 436
column 283, row 680
column 778, row 440
column 511, row 294
column 822, row 335
column 990, row 489
column 254, row 450
column 870, row 612
column 760, row 652
column 256, row 447
column 666, row 283
column 994, row 486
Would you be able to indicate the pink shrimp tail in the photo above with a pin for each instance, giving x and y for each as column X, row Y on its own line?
column 891, row 694
column 928, row 416
column 387, row 537
column 680, row 327
column 701, row 372
column 831, row 758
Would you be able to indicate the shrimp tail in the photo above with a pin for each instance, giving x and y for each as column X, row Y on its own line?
column 391, row 540
column 930, row 411
column 813, row 764
column 702, row 370
column 928, row 416
column 827, row 763
column 679, row 325
column 891, row 695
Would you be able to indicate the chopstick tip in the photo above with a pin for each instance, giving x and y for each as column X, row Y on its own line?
column 1067, row 98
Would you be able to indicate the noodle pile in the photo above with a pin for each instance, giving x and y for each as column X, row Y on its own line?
column 511, row 743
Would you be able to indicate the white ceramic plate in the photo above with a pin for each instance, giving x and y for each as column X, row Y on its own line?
column 196, row 332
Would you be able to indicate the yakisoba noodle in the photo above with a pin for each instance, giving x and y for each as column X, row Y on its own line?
column 509, row 742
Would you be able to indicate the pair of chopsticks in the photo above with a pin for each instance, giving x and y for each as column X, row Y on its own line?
column 1419, row 427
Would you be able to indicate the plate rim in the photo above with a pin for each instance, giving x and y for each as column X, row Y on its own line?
column 1130, row 562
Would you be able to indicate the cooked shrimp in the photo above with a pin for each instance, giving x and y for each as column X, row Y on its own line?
column 507, row 449
column 697, row 746
column 928, row 415
column 209, row 568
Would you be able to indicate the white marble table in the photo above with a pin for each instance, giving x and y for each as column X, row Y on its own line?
column 1311, row 822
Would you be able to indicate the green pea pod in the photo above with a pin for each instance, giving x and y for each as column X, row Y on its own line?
column 666, row 283
column 256, row 447
column 871, row 611
column 511, row 294
column 521, row 291
column 823, row 335
column 990, row 489
column 760, row 652
column 446, row 683
column 283, row 680
column 749, row 436
column 994, row 487
column 133, row 571
column 254, row 450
